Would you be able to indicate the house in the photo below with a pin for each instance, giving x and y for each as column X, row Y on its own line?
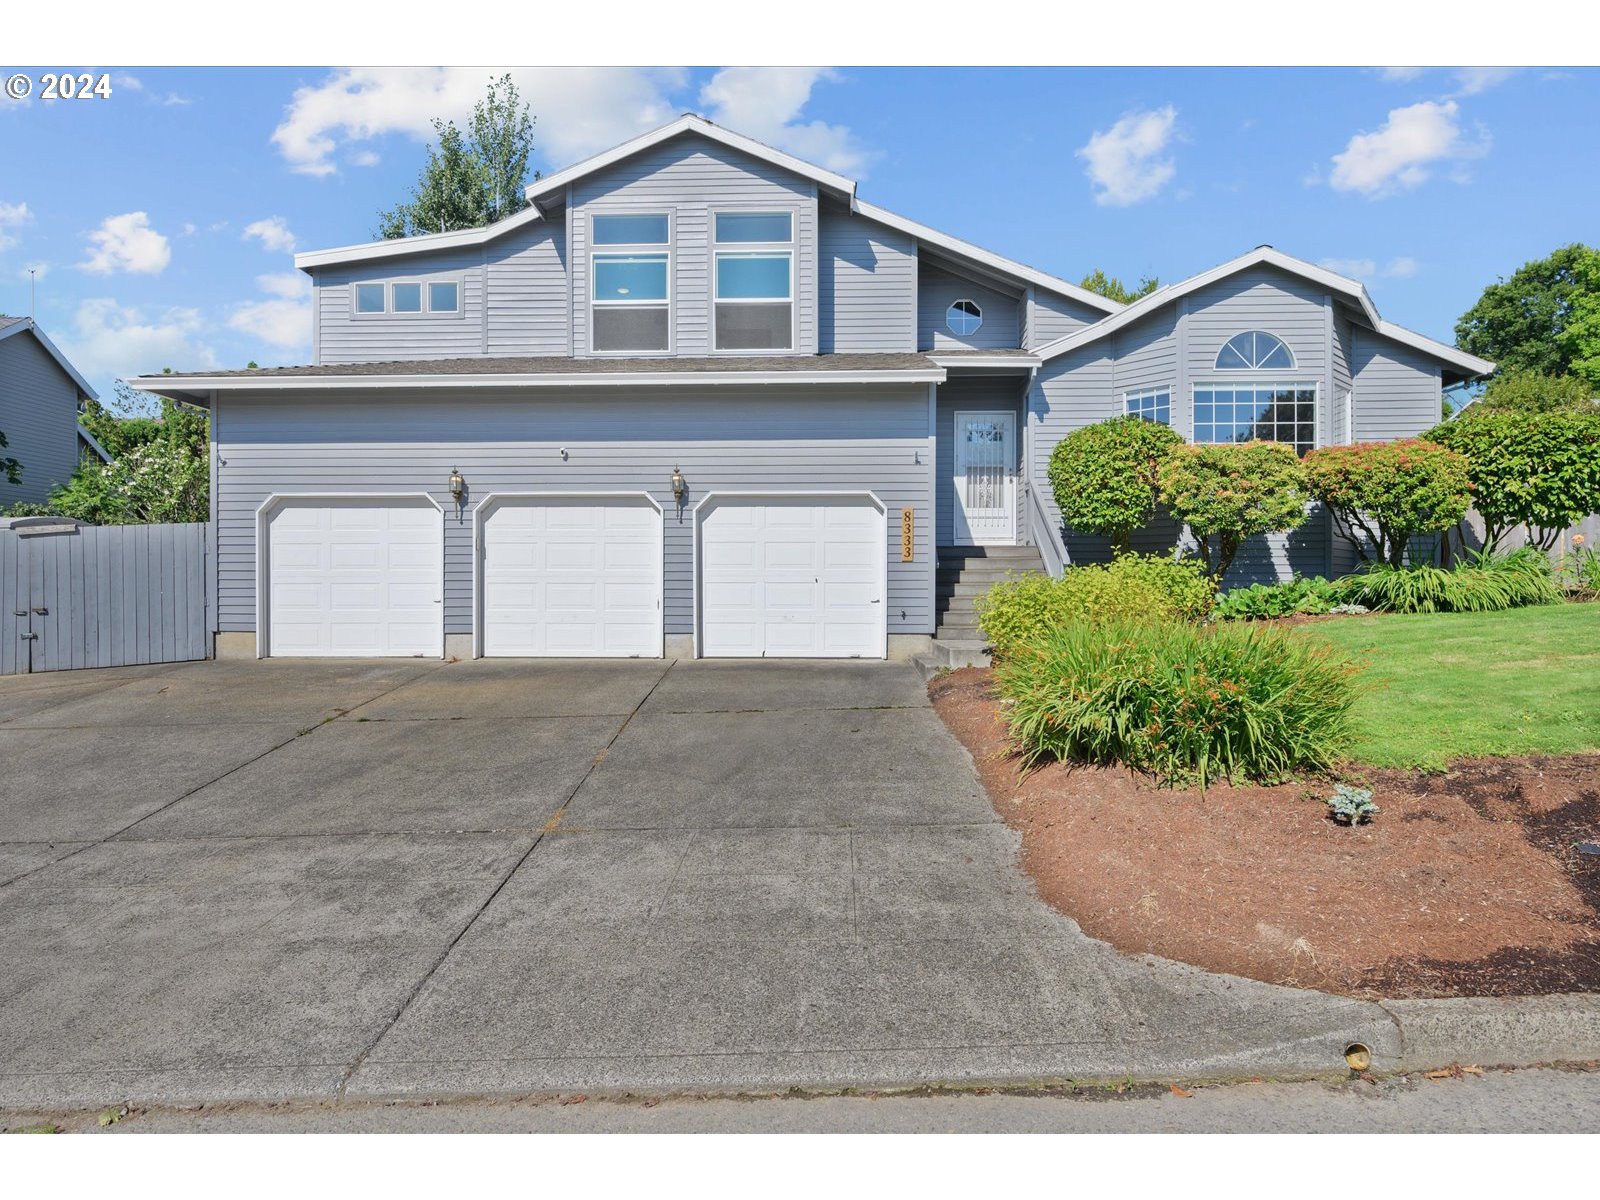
column 702, row 398
column 40, row 396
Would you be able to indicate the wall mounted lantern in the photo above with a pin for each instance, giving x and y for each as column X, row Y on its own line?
column 678, row 486
column 458, row 486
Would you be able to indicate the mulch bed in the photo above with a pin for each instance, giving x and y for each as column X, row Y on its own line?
column 1467, row 883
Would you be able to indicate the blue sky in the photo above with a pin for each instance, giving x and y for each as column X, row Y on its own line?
column 163, row 219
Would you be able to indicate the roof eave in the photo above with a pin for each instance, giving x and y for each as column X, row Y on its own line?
column 308, row 260
column 28, row 325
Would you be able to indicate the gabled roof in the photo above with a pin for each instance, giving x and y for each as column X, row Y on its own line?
column 544, row 194
column 1469, row 365
column 11, row 326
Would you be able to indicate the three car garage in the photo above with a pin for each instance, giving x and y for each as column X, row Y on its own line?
column 777, row 575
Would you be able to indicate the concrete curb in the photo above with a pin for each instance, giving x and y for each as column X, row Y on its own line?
column 1510, row 1031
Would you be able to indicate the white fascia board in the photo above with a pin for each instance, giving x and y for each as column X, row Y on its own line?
column 1471, row 364
column 93, row 443
column 420, row 244
column 1020, row 361
column 162, row 386
column 1157, row 299
column 27, row 325
column 689, row 123
column 977, row 254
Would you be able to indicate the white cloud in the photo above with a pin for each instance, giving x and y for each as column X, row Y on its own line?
column 1472, row 80
column 1403, row 153
column 579, row 110
column 1125, row 162
column 11, row 216
column 766, row 103
column 132, row 83
column 1367, row 269
column 127, row 243
column 108, row 340
column 273, row 232
column 1400, row 74
column 285, row 319
column 364, row 158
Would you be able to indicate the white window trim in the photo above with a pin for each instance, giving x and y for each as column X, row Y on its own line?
column 1294, row 359
column 632, row 250
column 791, row 249
column 963, row 300
column 388, row 286
column 1268, row 381
column 1143, row 393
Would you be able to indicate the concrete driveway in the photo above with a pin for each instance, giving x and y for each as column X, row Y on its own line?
column 259, row 880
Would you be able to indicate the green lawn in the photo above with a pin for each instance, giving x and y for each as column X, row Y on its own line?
column 1454, row 685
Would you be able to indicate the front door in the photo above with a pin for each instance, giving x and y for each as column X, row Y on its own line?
column 986, row 479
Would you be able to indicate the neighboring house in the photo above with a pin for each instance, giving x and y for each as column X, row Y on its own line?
column 702, row 398
column 40, row 395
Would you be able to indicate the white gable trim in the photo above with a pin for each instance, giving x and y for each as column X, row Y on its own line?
column 977, row 254
column 50, row 348
column 89, row 440
column 689, row 123
column 1266, row 255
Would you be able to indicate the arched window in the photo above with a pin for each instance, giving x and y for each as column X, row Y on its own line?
column 963, row 318
column 1254, row 350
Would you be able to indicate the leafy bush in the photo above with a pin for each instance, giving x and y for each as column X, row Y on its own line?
column 1262, row 601
column 1534, row 392
column 1351, row 805
column 1018, row 611
column 1480, row 583
column 1226, row 493
column 1384, row 493
column 1104, row 475
column 1541, row 469
column 1186, row 703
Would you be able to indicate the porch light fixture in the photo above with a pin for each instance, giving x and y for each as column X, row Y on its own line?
column 458, row 486
column 678, row 486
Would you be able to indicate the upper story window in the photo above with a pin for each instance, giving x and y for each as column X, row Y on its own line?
column 1151, row 404
column 753, row 281
column 630, row 283
column 964, row 318
column 405, row 297
column 1255, row 350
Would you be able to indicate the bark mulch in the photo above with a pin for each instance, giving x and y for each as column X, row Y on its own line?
column 1467, row 883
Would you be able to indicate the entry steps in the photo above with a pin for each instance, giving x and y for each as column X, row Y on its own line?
column 964, row 574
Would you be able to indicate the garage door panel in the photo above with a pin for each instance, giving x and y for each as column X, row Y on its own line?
column 792, row 577
column 572, row 577
column 355, row 577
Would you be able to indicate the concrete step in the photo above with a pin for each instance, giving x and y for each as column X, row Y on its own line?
column 967, row 622
column 950, row 654
column 991, row 552
column 968, row 588
column 992, row 573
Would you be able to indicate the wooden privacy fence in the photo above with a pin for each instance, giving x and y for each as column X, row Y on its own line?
column 100, row 596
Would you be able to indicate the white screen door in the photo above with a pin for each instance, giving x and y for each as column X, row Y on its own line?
column 985, row 479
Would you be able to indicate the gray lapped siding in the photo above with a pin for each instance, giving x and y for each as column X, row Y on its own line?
column 778, row 438
column 39, row 416
column 866, row 285
column 1049, row 316
column 938, row 289
column 979, row 393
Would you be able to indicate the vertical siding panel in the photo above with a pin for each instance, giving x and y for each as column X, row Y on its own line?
column 10, row 593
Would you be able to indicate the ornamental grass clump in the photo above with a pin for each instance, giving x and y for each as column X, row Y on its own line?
column 1185, row 703
column 1132, row 587
column 1480, row 583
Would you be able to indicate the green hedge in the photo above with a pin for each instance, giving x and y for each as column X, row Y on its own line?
column 1133, row 587
column 1186, row 703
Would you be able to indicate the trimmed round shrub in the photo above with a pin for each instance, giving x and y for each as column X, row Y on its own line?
column 1130, row 587
column 1385, row 493
column 1540, row 469
column 1104, row 476
column 1227, row 493
column 1185, row 703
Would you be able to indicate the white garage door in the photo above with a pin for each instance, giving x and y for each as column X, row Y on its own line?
column 799, row 577
column 572, row 577
column 362, row 577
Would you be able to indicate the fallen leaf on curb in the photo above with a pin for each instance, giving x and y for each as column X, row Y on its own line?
column 1178, row 1091
column 573, row 1100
